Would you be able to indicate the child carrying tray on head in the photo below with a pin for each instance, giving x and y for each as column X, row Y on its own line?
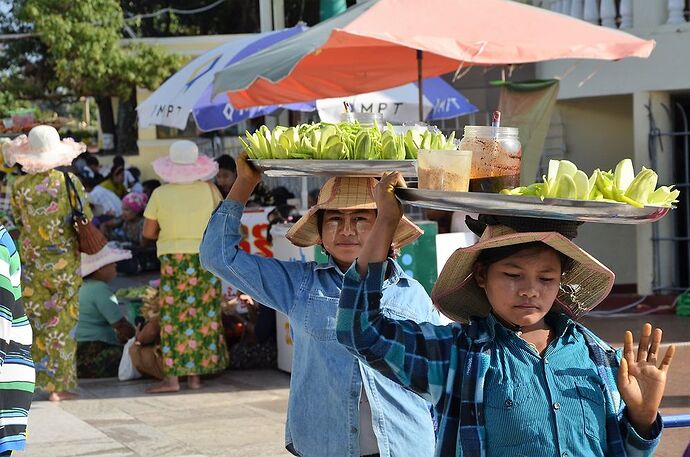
column 337, row 406
column 518, row 376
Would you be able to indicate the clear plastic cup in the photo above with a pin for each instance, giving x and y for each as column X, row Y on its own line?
column 447, row 170
column 362, row 118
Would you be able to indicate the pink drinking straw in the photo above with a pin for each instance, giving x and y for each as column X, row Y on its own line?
column 496, row 119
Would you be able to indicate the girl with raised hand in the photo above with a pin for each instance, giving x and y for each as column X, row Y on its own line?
column 517, row 375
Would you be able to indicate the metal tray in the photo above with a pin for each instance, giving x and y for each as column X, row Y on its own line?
column 301, row 167
column 516, row 205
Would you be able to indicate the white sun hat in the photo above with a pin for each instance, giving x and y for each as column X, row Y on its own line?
column 42, row 150
column 184, row 164
column 106, row 256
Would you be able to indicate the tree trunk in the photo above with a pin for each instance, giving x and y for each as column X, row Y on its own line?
column 127, row 132
column 105, row 112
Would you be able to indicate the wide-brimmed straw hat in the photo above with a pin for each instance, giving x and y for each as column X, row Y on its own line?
column 346, row 193
column 106, row 256
column 184, row 164
column 41, row 150
column 584, row 284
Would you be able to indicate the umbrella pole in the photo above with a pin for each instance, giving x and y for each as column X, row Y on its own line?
column 420, row 91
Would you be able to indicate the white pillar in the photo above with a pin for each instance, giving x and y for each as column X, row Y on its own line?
column 278, row 14
column 675, row 12
column 591, row 13
column 566, row 6
column 577, row 9
column 626, row 14
column 608, row 13
column 266, row 15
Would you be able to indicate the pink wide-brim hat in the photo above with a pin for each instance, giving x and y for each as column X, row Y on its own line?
column 184, row 164
column 41, row 150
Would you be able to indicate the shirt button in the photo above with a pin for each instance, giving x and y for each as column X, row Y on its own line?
column 546, row 361
column 509, row 403
column 557, row 406
column 565, row 454
column 353, row 429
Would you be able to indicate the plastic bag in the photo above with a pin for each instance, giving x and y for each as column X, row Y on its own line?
column 127, row 370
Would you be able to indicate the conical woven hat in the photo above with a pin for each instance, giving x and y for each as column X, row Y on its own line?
column 457, row 295
column 346, row 193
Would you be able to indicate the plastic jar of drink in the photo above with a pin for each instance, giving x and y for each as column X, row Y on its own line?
column 363, row 118
column 496, row 157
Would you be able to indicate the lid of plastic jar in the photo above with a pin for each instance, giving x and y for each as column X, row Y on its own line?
column 491, row 132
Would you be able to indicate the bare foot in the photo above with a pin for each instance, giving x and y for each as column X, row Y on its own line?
column 64, row 395
column 193, row 382
column 168, row 385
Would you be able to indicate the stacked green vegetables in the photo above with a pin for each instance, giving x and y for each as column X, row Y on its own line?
column 564, row 180
column 343, row 141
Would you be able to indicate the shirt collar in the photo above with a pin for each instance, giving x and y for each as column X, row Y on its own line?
column 561, row 324
column 397, row 273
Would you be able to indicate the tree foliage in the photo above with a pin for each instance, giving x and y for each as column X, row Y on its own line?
column 83, row 46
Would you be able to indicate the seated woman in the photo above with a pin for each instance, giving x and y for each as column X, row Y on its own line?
column 128, row 232
column 102, row 329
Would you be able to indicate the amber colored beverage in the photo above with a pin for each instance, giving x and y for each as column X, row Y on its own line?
column 494, row 184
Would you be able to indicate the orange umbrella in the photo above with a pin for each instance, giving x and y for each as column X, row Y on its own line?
column 380, row 44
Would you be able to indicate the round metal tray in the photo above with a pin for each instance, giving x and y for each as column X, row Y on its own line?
column 364, row 168
column 516, row 205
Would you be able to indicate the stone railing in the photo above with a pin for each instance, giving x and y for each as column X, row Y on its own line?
column 620, row 13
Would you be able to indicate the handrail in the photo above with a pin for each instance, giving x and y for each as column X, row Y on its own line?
column 678, row 420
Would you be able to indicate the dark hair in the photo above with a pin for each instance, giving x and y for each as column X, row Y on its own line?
column 490, row 256
column 281, row 215
column 281, row 195
column 118, row 161
column 90, row 159
column 136, row 173
column 226, row 162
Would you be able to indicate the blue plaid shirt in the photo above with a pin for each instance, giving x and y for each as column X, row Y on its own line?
column 448, row 365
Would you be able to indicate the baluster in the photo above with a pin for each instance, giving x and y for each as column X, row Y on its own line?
column 608, row 13
column 577, row 9
column 675, row 12
column 566, row 6
column 626, row 14
column 591, row 11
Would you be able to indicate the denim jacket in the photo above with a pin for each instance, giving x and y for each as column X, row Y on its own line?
column 326, row 381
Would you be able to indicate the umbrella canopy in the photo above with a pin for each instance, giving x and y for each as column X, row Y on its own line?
column 400, row 104
column 376, row 44
column 189, row 90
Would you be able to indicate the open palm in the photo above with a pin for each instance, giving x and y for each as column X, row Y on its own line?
column 641, row 382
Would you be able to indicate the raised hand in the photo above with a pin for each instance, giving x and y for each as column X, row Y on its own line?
column 641, row 382
column 247, row 179
column 387, row 204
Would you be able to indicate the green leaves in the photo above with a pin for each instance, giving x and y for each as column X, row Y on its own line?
column 564, row 180
column 353, row 141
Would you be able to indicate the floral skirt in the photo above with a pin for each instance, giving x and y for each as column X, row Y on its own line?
column 192, row 337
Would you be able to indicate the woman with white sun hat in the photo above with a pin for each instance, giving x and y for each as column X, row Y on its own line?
column 49, row 248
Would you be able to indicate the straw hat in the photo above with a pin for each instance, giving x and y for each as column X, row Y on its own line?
column 457, row 295
column 106, row 256
column 42, row 150
column 184, row 164
column 344, row 193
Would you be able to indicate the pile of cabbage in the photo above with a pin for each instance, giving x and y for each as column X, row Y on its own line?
column 343, row 141
column 564, row 180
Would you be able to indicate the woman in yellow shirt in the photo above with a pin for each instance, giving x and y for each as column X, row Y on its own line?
column 191, row 328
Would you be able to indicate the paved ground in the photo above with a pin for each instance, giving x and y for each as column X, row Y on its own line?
column 242, row 413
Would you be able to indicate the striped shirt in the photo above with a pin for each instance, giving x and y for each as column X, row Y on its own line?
column 448, row 366
column 17, row 372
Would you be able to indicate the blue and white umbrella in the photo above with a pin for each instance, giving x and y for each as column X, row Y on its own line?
column 189, row 90
column 400, row 104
